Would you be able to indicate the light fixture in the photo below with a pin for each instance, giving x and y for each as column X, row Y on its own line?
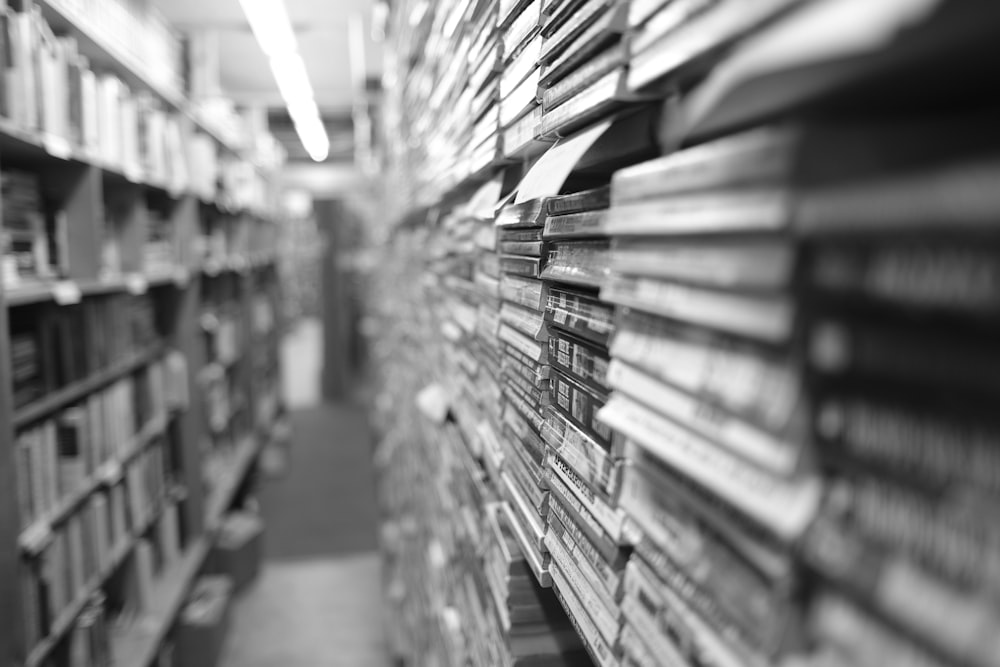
column 270, row 25
column 272, row 29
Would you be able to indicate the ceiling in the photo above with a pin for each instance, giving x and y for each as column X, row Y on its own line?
column 323, row 31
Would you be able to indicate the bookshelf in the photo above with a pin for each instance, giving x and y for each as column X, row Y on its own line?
column 139, row 332
column 661, row 294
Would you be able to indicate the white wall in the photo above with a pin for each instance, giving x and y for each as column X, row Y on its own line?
column 323, row 180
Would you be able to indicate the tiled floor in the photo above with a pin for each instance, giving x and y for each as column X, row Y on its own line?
column 318, row 601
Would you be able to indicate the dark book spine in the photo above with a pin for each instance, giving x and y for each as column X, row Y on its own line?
column 580, row 516
column 681, row 585
column 585, row 224
column 936, row 532
column 537, row 370
column 580, row 404
column 524, row 388
column 522, row 434
column 894, row 587
column 926, row 443
column 529, row 248
column 527, row 410
column 939, row 275
column 578, row 202
column 580, row 314
column 529, row 373
column 760, row 607
column 582, row 362
column 580, row 548
column 886, row 352
column 520, row 235
column 520, row 266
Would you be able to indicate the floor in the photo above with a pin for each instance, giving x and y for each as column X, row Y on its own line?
column 317, row 602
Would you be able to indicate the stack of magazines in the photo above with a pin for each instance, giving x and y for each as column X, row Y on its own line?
column 525, row 372
column 725, row 361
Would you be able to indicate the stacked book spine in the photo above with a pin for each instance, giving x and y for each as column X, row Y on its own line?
column 525, row 373
column 747, row 286
column 586, row 533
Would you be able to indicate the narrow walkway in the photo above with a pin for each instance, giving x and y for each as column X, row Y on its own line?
column 318, row 600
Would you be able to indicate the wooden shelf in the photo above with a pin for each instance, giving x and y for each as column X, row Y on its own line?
column 41, row 291
column 222, row 496
column 33, row 146
column 38, row 292
column 136, row 646
column 77, row 390
column 240, row 265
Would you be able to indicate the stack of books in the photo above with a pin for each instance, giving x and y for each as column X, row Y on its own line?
column 898, row 351
column 706, row 392
column 585, row 534
column 524, row 372
column 583, row 62
column 745, row 370
column 24, row 243
column 137, row 34
column 62, row 455
column 63, row 345
column 529, row 617
column 52, row 96
column 52, row 91
column 25, row 368
column 519, row 111
column 89, row 539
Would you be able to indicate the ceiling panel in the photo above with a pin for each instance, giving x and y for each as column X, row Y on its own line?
column 220, row 12
column 322, row 28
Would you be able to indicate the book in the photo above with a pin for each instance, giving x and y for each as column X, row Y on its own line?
column 762, row 606
column 578, row 359
column 768, row 318
column 591, row 459
column 761, row 448
column 524, row 291
column 583, row 263
column 579, row 312
column 71, row 435
column 785, row 506
column 882, row 351
column 597, row 26
column 953, row 278
column 751, row 264
column 755, row 382
column 932, row 446
column 857, row 635
column 580, row 403
column 696, row 30
column 524, row 25
column 579, row 202
column 877, row 576
column 585, row 224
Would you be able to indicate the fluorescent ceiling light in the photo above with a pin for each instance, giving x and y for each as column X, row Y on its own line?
column 270, row 25
column 273, row 31
column 293, row 81
column 313, row 136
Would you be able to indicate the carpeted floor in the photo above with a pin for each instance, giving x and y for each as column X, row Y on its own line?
column 317, row 602
column 325, row 505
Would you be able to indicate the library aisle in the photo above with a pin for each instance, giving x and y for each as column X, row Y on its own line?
column 317, row 602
